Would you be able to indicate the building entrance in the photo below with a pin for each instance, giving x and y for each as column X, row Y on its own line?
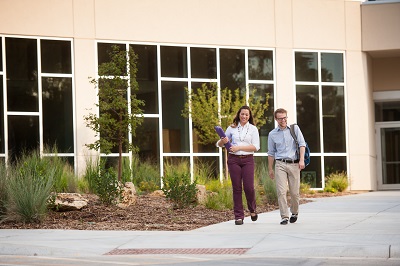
column 388, row 151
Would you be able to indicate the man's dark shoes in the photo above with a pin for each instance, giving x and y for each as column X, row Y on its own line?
column 254, row 217
column 284, row 221
column 293, row 218
column 239, row 221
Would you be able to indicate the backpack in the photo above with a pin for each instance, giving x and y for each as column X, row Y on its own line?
column 307, row 151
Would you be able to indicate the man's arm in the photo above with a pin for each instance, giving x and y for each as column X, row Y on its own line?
column 301, row 161
column 271, row 166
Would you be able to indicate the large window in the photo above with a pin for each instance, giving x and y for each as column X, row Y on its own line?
column 37, row 98
column 164, row 73
column 320, row 91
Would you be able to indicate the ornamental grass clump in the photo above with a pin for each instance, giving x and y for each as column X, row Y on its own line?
column 336, row 182
column 29, row 186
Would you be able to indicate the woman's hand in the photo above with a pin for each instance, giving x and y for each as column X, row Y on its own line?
column 235, row 148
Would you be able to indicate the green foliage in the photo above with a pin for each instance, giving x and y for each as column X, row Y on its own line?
column 268, row 185
column 305, row 188
column 103, row 181
column 107, row 186
column 176, row 166
column 202, row 106
column 119, row 115
column 28, row 189
column 64, row 176
column 91, row 174
column 336, row 182
column 222, row 199
column 3, row 191
column 180, row 190
column 146, row 175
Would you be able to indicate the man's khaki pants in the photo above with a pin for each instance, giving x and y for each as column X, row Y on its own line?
column 287, row 174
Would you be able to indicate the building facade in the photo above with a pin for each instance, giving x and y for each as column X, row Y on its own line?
column 333, row 64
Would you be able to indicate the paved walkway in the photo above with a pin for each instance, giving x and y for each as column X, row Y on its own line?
column 348, row 230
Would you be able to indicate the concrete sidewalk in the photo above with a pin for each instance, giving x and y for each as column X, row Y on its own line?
column 348, row 230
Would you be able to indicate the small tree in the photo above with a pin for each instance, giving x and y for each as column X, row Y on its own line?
column 119, row 113
column 202, row 106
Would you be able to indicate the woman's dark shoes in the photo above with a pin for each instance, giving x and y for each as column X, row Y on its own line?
column 239, row 221
column 254, row 216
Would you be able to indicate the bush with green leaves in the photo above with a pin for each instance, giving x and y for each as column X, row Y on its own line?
column 103, row 181
column 180, row 190
column 336, row 182
column 107, row 186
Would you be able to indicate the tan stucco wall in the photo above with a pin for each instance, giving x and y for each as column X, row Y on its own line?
column 284, row 25
column 379, row 32
column 360, row 123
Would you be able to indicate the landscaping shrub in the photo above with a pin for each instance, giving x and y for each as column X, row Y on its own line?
column 103, row 181
column 336, row 182
column 180, row 190
column 107, row 186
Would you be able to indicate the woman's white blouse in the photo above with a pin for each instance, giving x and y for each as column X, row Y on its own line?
column 243, row 136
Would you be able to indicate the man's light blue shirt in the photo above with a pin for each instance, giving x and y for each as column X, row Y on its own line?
column 281, row 144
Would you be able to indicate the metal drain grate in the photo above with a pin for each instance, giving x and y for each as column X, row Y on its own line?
column 217, row 251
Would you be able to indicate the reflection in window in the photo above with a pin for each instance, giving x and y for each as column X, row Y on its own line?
column 56, row 56
column 306, row 66
column 1, row 115
column 175, row 127
column 387, row 111
column 23, row 135
column 232, row 69
column 311, row 97
column 335, row 164
column 1, row 54
column 333, row 119
column 199, row 144
column 260, row 65
column 173, row 62
column 203, row 63
column 57, row 115
column 307, row 104
column 262, row 90
column 312, row 174
column 22, row 75
column 390, row 143
column 332, row 69
column 147, row 140
column 147, row 77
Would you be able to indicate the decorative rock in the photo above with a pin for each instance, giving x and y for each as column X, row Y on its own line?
column 157, row 193
column 128, row 195
column 69, row 202
column 201, row 193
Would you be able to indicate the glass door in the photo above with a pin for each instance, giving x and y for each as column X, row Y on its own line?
column 388, row 155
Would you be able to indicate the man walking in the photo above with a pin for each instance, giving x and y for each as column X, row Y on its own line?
column 283, row 151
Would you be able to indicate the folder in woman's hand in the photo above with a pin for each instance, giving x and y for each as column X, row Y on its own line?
column 221, row 133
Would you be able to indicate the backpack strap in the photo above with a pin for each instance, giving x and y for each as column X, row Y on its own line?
column 295, row 138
